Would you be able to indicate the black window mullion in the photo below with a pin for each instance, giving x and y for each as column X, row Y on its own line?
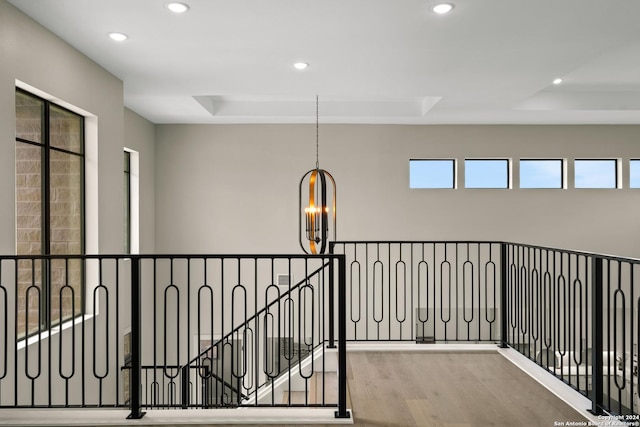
column 83, row 296
column 26, row 141
column 46, row 216
column 62, row 150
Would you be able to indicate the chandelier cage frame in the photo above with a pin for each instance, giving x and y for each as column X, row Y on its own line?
column 317, row 206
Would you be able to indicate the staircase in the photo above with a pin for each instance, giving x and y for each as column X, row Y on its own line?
column 323, row 389
column 313, row 382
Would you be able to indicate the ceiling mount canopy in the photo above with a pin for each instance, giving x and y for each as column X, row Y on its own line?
column 317, row 213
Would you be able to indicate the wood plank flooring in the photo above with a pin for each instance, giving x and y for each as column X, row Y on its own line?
column 430, row 389
column 449, row 389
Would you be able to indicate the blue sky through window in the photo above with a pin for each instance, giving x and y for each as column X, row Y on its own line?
column 599, row 173
column 431, row 174
column 634, row 174
column 486, row 173
column 540, row 173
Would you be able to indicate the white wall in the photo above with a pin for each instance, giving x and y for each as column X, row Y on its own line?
column 234, row 188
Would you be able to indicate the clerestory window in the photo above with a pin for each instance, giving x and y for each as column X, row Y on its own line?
column 432, row 173
column 486, row 173
column 596, row 173
column 541, row 173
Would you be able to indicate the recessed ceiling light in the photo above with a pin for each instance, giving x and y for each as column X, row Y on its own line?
column 119, row 37
column 442, row 8
column 300, row 65
column 177, row 7
column 557, row 81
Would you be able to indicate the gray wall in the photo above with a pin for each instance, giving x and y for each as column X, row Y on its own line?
column 31, row 54
column 139, row 135
column 34, row 56
column 234, row 188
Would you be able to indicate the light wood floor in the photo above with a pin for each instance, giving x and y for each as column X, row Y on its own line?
column 447, row 390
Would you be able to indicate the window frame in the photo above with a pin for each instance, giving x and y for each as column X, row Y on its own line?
column 127, row 202
column 631, row 161
column 454, row 168
column 616, row 172
column 509, row 179
column 563, row 174
column 46, row 147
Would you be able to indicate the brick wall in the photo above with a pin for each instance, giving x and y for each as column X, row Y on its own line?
column 65, row 192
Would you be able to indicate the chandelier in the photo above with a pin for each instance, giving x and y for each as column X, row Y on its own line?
column 317, row 213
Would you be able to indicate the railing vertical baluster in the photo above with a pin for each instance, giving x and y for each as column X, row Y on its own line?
column 4, row 320
column 47, row 275
column 342, row 339
column 136, row 336
column 597, row 334
column 206, row 389
column 332, row 343
column 117, row 315
column 184, row 385
column 632, row 345
column 15, row 331
column 504, row 274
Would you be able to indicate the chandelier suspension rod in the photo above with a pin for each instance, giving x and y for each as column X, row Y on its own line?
column 317, row 136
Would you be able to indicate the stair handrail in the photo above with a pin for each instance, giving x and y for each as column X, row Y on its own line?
column 258, row 313
column 179, row 367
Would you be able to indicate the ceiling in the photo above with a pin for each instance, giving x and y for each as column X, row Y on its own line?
column 370, row 61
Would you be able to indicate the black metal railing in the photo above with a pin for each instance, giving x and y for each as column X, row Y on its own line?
column 282, row 351
column 173, row 386
column 573, row 313
column 148, row 318
column 218, row 331
column 422, row 291
column 576, row 314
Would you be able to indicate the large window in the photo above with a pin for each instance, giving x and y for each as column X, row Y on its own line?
column 596, row 173
column 538, row 173
column 486, row 173
column 432, row 173
column 49, row 211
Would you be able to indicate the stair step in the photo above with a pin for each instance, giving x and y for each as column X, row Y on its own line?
column 323, row 389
